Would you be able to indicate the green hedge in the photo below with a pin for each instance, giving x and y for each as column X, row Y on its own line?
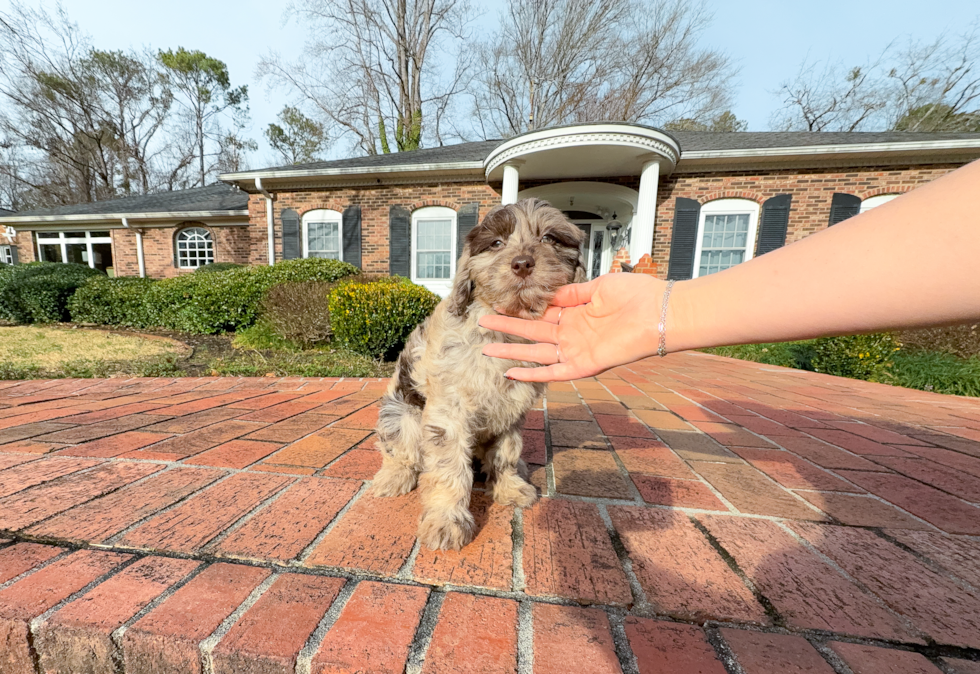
column 375, row 319
column 206, row 303
column 38, row 292
column 217, row 266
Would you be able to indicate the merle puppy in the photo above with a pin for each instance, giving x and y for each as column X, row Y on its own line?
column 447, row 402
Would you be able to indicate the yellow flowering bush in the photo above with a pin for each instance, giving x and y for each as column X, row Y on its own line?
column 375, row 319
column 859, row 356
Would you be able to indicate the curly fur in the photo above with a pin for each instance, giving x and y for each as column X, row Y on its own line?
column 448, row 403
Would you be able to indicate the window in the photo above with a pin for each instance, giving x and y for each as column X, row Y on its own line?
column 434, row 248
column 91, row 248
column 195, row 248
column 868, row 204
column 726, row 234
column 322, row 234
column 6, row 255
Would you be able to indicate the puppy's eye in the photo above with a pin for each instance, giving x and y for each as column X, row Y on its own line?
column 497, row 244
column 548, row 238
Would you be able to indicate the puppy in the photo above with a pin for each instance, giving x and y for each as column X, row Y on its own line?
column 448, row 403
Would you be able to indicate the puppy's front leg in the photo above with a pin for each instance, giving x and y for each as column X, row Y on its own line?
column 446, row 482
column 509, row 471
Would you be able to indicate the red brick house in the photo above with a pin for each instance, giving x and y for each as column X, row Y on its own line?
column 695, row 202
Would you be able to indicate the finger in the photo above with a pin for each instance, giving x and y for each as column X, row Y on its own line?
column 546, row 354
column 557, row 372
column 551, row 314
column 575, row 294
column 537, row 331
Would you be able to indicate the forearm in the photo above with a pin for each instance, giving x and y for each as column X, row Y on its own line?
column 912, row 262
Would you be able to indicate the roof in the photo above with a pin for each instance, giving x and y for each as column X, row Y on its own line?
column 217, row 198
column 691, row 142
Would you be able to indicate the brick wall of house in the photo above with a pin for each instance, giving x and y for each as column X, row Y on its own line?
column 812, row 192
column 24, row 241
column 375, row 203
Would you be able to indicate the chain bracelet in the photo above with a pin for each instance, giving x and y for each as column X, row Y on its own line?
column 662, row 326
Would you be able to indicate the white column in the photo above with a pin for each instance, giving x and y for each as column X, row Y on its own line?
column 139, row 254
column 641, row 238
column 509, row 191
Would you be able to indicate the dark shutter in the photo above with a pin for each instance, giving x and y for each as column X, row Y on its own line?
column 292, row 246
column 842, row 207
column 352, row 235
column 13, row 253
column 683, row 239
column 773, row 224
column 467, row 218
column 399, row 242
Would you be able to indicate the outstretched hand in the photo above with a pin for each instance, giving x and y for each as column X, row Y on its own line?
column 603, row 323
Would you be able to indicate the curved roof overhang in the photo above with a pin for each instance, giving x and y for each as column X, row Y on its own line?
column 584, row 151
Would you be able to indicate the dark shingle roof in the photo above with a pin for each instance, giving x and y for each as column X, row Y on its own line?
column 702, row 141
column 462, row 152
column 219, row 197
column 690, row 141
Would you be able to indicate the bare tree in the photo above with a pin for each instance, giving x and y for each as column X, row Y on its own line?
column 372, row 68
column 563, row 61
column 911, row 86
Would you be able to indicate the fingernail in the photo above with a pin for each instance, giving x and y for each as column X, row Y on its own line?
column 507, row 376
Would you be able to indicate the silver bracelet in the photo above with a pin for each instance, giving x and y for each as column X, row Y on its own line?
column 662, row 325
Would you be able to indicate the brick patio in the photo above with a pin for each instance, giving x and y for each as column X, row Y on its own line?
column 699, row 515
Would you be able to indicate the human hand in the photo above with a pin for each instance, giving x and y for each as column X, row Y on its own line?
column 606, row 322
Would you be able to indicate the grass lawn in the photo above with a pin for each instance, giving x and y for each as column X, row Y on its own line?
column 917, row 368
column 30, row 352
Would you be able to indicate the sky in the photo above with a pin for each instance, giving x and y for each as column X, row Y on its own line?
column 767, row 39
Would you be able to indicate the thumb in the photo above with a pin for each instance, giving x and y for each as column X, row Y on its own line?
column 574, row 294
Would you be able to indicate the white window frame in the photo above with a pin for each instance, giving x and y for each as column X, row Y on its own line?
column 323, row 215
column 207, row 231
column 6, row 254
column 728, row 207
column 872, row 202
column 71, row 237
column 440, row 287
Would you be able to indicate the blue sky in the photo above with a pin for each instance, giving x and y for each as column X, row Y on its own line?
column 768, row 39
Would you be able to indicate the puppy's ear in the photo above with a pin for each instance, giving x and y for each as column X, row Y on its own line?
column 462, row 293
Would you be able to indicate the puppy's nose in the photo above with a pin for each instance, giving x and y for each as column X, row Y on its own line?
column 522, row 265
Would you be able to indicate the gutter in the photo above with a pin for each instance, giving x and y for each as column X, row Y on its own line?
column 257, row 176
column 113, row 217
column 268, row 219
column 849, row 148
column 139, row 248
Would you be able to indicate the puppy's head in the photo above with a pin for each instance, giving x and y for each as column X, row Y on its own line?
column 517, row 258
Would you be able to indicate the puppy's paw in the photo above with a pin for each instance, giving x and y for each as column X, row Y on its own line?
column 439, row 532
column 393, row 481
column 515, row 492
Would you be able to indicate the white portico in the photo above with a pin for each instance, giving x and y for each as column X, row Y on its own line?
column 573, row 160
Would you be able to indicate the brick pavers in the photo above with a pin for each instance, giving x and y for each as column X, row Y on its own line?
column 698, row 514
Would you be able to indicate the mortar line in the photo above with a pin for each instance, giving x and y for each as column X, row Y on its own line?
column 525, row 638
column 308, row 550
column 423, row 633
column 206, row 647
column 304, row 659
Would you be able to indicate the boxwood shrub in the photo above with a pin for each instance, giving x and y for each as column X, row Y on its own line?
column 114, row 301
column 217, row 266
column 206, row 303
column 38, row 292
column 375, row 319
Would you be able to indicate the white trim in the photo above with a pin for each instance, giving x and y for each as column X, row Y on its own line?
column 584, row 135
column 440, row 287
column 352, row 170
column 805, row 150
column 327, row 217
column 728, row 207
column 879, row 200
column 6, row 254
column 180, row 216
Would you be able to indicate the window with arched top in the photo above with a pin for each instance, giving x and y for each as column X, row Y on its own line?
column 323, row 234
column 726, row 234
column 871, row 202
column 195, row 248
